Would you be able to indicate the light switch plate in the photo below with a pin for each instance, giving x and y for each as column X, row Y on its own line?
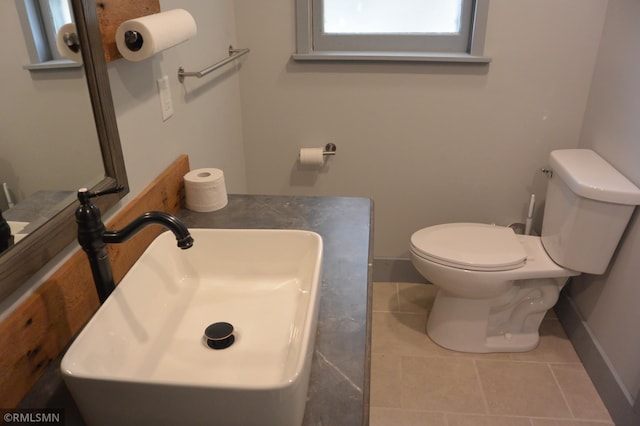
column 165, row 97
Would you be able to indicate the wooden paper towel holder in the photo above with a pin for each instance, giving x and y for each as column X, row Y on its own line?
column 112, row 13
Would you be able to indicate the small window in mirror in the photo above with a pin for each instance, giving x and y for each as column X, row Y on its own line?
column 54, row 13
column 43, row 19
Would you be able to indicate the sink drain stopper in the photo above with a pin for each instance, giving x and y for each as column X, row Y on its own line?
column 219, row 335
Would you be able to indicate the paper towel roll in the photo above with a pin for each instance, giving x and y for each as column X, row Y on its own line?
column 155, row 33
column 205, row 190
column 68, row 43
column 312, row 157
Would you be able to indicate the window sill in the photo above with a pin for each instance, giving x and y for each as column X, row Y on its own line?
column 55, row 64
column 392, row 57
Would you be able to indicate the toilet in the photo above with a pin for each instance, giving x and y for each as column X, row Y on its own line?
column 494, row 286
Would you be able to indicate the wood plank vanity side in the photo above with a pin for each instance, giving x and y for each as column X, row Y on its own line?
column 37, row 331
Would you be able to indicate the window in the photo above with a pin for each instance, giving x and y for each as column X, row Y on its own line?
column 440, row 30
column 43, row 19
column 54, row 14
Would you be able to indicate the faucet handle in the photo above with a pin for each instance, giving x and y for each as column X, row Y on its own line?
column 84, row 194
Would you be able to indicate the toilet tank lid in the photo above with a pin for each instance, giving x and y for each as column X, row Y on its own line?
column 590, row 176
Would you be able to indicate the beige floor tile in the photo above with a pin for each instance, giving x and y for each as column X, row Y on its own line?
column 397, row 417
column 385, row 381
column 416, row 382
column 400, row 334
column 476, row 420
column 579, row 392
column 416, row 298
column 447, row 384
column 552, row 422
column 385, row 297
column 521, row 389
column 554, row 345
column 405, row 334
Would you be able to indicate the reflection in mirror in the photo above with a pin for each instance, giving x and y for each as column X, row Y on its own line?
column 48, row 141
column 57, row 133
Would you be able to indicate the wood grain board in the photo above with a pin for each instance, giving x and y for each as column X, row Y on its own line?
column 112, row 13
column 43, row 325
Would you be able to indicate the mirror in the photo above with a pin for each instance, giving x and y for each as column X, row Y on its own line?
column 55, row 228
column 49, row 118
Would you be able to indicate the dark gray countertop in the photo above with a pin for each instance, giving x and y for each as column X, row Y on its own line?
column 39, row 207
column 339, row 385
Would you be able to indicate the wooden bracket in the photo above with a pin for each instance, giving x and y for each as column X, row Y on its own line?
column 112, row 13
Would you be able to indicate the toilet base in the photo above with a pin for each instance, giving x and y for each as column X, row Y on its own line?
column 508, row 323
column 520, row 342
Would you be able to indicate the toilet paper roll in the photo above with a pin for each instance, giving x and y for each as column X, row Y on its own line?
column 140, row 38
column 68, row 43
column 312, row 157
column 205, row 190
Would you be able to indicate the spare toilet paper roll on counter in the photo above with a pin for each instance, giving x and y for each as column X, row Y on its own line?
column 68, row 42
column 205, row 190
column 140, row 38
column 312, row 157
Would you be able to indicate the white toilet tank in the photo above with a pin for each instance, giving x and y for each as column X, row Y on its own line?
column 587, row 208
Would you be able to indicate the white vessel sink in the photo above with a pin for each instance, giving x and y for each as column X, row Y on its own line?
column 143, row 357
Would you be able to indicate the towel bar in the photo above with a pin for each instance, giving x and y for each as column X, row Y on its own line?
column 233, row 55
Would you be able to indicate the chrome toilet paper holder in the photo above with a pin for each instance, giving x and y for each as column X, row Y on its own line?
column 329, row 149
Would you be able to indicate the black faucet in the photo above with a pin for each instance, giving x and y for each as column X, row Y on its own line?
column 93, row 236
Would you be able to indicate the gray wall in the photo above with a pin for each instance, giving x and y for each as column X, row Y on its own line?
column 610, row 303
column 207, row 122
column 47, row 133
column 430, row 143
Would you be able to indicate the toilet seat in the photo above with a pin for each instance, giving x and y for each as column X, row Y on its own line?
column 471, row 246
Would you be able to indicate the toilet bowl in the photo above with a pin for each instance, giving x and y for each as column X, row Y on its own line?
column 495, row 286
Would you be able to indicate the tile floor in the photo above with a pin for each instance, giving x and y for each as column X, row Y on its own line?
column 416, row 382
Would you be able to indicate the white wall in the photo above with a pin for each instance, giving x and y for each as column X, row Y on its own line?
column 207, row 118
column 430, row 143
column 609, row 303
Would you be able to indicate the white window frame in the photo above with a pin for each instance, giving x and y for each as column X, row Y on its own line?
column 312, row 44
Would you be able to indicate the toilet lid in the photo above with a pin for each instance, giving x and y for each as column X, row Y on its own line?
column 473, row 246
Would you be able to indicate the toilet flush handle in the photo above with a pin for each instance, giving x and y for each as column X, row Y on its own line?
column 547, row 172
